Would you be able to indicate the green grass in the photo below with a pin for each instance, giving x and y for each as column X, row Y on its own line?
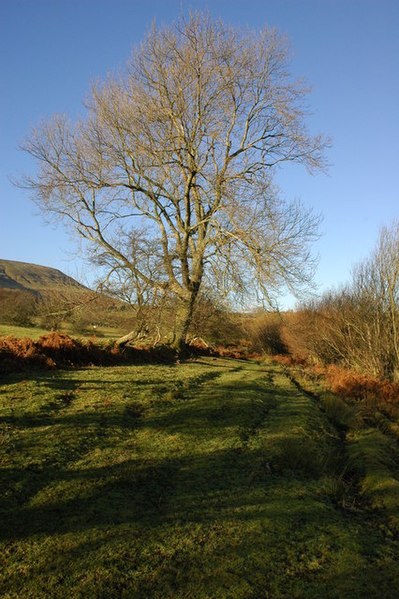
column 371, row 445
column 16, row 331
column 104, row 333
column 210, row 479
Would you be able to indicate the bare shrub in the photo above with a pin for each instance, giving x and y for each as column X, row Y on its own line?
column 265, row 331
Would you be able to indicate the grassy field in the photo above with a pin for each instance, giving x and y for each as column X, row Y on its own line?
column 208, row 479
column 16, row 331
column 104, row 334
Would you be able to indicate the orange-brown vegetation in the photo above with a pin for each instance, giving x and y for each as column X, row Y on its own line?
column 242, row 350
column 238, row 352
column 352, row 386
column 356, row 386
column 57, row 350
column 288, row 360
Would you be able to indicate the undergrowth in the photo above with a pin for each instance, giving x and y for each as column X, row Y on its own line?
column 58, row 350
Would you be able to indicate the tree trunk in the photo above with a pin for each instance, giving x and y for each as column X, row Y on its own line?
column 132, row 336
column 122, row 341
column 183, row 320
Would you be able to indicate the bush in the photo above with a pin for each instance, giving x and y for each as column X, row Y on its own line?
column 81, row 326
column 265, row 332
column 287, row 360
column 18, row 354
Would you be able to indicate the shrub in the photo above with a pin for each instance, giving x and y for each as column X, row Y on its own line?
column 284, row 360
column 81, row 326
column 265, row 330
column 17, row 354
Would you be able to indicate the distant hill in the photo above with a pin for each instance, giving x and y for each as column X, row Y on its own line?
column 35, row 294
column 37, row 279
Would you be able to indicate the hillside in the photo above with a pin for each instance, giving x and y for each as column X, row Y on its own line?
column 33, row 277
column 44, row 298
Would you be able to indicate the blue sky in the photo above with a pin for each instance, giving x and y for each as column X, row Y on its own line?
column 347, row 50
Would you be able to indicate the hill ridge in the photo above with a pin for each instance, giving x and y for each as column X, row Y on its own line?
column 26, row 276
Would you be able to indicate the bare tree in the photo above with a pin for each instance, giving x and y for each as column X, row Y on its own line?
column 358, row 325
column 169, row 176
column 376, row 285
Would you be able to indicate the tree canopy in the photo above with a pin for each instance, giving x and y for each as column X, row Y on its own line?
column 170, row 174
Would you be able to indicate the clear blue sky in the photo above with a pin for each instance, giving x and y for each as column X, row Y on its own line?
column 347, row 50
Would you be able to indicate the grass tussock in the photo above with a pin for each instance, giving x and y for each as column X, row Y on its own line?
column 340, row 413
column 373, row 455
column 300, row 455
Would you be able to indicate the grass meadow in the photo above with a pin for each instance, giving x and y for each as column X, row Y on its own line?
column 103, row 334
column 214, row 478
column 18, row 331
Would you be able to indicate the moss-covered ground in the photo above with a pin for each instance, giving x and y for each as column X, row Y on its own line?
column 208, row 479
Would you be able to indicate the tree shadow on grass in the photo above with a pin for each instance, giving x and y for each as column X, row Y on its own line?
column 198, row 488
column 242, row 526
column 257, row 532
column 140, row 485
